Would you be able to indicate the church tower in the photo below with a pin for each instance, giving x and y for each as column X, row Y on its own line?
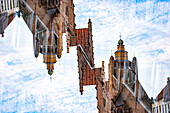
column 121, row 63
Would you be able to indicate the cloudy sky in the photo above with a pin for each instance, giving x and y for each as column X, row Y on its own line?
column 25, row 85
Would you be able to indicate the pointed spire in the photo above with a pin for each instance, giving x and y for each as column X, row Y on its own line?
column 120, row 35
column 120, row 42
column 89, row 20
column 111, row 52
column 50, row 78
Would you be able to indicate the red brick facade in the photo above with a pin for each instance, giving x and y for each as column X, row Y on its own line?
column 48, row 20
column 84, row 43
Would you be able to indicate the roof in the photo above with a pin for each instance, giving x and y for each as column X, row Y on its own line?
column 163, row 94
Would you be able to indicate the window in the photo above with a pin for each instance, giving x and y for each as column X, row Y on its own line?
column 159, row 109
column 165, row 109
column 104, row 102
column 10, row 4
column 5, row 4
column 162, row 108
column 67, row 10
column 1, row 6
column 153, row 111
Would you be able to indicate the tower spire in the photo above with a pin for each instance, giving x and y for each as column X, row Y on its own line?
column 120, row 35
column 120, row 42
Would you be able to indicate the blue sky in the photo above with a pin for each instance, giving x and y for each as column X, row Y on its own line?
column 24, row 82
column 145, row 29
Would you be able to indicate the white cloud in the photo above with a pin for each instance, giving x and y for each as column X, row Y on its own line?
column 145, row 30
column 26, row 87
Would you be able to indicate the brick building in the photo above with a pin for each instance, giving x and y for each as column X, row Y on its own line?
column 122, row 93
column 162, row 102
column 47, row 20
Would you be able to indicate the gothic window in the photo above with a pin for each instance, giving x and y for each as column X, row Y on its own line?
column 67, row 10
column 115, row 73
column 2, row 5
column 153, row 111
column 55, row 39
column 104, row 102
column 129, row 110
column 10, row 4
column 5, row 4
column 159, row 109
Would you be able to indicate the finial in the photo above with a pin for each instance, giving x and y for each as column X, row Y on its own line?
column 120, row 35
column 50, row 78
column 134, row 53
column 111, row 52
column 89, row 20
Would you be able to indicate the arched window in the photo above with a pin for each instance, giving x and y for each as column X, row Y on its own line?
column 67, row 10
column 11, row 4
column 1, row 6
column 162, row 108
column 5, row 4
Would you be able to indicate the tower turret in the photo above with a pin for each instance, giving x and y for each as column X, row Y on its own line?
column 121, row 55
column 122, row 63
